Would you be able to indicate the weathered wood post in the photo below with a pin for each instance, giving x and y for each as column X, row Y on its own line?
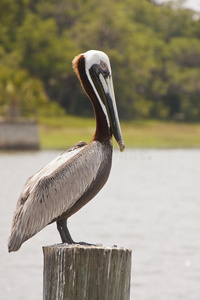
column 76, row 272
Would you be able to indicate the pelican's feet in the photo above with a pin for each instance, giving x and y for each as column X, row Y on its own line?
column 84, row 243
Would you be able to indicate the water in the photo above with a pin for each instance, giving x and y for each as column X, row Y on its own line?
column 151, row 204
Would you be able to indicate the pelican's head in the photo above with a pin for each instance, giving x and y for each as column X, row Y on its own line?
column 98, row 72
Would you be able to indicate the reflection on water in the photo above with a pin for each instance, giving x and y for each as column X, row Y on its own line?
column 149, row 204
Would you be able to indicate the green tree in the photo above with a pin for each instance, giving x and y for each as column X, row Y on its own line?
column 154, row 52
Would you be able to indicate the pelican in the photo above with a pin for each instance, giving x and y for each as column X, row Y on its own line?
column 73, row 178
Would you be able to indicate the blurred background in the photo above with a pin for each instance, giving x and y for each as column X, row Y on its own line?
column 154, row 49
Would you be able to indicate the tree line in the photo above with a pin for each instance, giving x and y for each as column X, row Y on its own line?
column 154, row 52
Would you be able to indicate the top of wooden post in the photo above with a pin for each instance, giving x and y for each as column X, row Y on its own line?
column 79, row 246
column 82, row 272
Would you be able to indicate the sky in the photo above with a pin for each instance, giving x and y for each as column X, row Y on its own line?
column 192, row 4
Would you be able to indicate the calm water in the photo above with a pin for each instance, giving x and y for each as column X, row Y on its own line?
column 151, row 204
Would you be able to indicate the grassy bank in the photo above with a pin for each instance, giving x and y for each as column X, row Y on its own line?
column 61, row 133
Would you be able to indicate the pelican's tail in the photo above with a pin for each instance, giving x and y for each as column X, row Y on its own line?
column 14, row 242
column 19, row 231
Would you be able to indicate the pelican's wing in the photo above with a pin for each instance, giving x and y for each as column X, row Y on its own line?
column 54, row 164
column 54, row 190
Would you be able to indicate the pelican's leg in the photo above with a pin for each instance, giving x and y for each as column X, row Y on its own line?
column 65, row 235
column 64, row 232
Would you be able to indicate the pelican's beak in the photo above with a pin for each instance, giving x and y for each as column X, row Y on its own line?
column 104, row 85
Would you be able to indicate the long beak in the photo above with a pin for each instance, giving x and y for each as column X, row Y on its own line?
column 111, row 107
column 104, row 86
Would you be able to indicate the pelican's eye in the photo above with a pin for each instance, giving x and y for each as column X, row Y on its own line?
column 103, row 65
column 104, row 69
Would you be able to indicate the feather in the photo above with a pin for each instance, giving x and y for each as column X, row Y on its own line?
column 53, row 190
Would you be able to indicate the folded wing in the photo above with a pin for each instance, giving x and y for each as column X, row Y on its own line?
column 54, row 190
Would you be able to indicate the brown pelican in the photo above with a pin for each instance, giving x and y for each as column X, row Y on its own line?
column 72, row 179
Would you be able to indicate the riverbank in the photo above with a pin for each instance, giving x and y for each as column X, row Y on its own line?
column 62, row 132
column 18, row 134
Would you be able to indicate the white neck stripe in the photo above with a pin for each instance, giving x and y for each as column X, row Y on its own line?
column 98, row 97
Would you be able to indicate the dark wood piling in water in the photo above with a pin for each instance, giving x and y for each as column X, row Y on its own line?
column 76, row 272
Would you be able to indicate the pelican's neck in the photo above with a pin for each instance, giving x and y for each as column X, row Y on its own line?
column 102, row 127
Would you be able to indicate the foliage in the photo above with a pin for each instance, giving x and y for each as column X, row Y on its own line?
column 61, row 133
column 154, row 52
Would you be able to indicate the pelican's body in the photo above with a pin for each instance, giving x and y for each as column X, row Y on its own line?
column 72, row 179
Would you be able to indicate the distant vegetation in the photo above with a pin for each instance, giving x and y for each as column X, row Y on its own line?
column 61, row 133
column 154, row 52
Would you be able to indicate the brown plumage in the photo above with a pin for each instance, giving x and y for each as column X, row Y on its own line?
column 72, row 179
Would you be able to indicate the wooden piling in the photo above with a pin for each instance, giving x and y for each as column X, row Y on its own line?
column 76, row 272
